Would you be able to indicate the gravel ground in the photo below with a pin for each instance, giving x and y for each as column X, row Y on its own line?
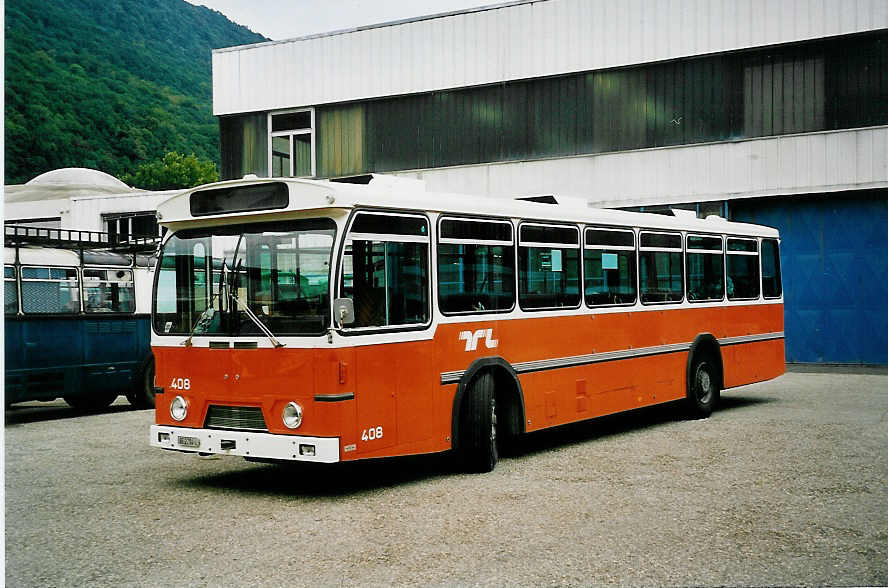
column 786, row 484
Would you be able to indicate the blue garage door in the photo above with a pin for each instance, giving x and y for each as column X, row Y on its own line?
column 834, row 257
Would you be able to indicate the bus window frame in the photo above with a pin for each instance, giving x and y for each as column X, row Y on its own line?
column 479, row 219
column 633, row 248
column 757, row 254
column 539, row 244
column 15, row 279
column 347, row 236
column 724, row 280
column 761, row 269
column 680, row 250
column 21, row 280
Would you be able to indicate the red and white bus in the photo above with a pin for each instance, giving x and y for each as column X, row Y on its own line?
column 331, row 321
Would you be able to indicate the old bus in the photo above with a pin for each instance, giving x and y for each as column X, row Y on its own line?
column 330, row 321
column 77, row 318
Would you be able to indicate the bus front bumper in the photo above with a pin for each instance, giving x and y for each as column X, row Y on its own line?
column 246, row 444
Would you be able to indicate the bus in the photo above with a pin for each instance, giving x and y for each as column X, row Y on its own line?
column 76, row 319
column 330, row 321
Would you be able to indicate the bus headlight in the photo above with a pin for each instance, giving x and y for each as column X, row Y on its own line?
column 292, row 415
column 178, row 408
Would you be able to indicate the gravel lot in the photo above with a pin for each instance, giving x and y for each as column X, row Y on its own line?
column 786, row 484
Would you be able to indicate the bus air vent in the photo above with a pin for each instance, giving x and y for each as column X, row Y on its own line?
column 242, row 418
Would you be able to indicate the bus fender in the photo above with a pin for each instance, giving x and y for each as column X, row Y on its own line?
column 706, row 343
column 501, row 369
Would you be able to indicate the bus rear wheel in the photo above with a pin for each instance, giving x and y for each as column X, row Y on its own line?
column 142, row 394
column 478, row 440
column 703, row 388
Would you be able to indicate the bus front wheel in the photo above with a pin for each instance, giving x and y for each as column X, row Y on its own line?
column 478, row 443
column 703, row 388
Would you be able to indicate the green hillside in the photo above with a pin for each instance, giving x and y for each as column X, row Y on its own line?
column 110, row 84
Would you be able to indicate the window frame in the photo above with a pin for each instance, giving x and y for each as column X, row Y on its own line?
column 689, row 251
column 291, row 133
column 22, row 280
column 634, row 249
column 680, row 250
column 761, row 269
column 542, row 245
column 446, row 240
column 758, row 265
column 348, row 235
column 18, row 288
column 83, row 286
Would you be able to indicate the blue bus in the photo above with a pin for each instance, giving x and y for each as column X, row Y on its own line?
column 77, row 324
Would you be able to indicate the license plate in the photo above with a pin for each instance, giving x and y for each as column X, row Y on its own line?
column 189, row 442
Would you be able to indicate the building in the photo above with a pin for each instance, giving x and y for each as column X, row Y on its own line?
column 773, row 111
column 84, row 200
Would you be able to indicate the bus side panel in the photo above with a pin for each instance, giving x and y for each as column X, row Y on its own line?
column 753, row 362
column 114, row 348
column 43, row 358
column 587, row 387
column 395, row 395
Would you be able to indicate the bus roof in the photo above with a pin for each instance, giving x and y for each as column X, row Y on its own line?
column 389, row 192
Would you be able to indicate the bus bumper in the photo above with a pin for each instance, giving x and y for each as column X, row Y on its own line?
column 246, row 444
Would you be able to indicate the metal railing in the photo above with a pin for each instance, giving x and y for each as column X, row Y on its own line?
column 15, row 235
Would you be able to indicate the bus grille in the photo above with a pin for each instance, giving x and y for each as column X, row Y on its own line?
column 235, row 417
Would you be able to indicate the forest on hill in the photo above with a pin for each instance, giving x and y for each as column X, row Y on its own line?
column 110, row 84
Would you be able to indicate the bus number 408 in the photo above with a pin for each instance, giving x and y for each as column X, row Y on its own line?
column 371, row 434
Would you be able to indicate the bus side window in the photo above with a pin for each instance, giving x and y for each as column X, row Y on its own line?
column 386, row 269
column 476, row 266
column 743, row 269
column 549, row 266
column 50, row 290
column 771, row 284
column 609, row 267
column 706, row 268
column 660, row 268
column 10, row 290
column 108, row 290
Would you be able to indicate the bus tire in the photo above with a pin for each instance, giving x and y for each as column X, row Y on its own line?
column 478, row 443
column 703, row 387
column 91, row 402
column 142, row 394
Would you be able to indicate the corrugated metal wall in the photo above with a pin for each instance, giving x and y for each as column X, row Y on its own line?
column 833, row 261
column 818, row 85
column 513, row 42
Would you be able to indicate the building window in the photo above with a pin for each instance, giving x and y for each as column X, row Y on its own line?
column 291, row 144
column 124, row 227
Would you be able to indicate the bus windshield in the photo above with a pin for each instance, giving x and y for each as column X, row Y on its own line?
column 209, row 277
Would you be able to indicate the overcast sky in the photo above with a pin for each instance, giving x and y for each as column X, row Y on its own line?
column 285, row 19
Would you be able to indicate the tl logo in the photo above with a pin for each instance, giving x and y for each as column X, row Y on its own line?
column 471, row 339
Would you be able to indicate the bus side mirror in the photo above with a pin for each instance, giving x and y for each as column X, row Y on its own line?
column 343, row 311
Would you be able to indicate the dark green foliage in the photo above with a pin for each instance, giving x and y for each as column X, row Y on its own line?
column 110, row 84
column 173, row 171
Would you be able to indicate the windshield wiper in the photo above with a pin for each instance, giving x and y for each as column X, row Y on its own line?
column 256, row 321
column 206, row 317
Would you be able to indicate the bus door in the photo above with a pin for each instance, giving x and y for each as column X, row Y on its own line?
column 385, row 271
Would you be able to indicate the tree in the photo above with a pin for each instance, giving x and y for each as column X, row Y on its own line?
column 173, row 171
